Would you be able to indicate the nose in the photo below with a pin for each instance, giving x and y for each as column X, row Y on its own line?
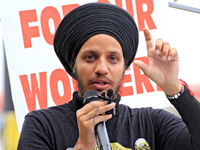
column 101, row 67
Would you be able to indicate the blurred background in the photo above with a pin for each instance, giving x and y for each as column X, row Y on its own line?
column 8, row 128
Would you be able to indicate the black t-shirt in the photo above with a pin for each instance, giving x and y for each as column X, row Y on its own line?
column 55, row 128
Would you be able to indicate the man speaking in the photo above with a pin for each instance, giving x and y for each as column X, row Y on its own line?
column 96, row 43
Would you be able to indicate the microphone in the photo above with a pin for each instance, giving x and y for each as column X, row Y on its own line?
column 101, row 133
column 113, row 111
column 109, row 94
column 89, row 96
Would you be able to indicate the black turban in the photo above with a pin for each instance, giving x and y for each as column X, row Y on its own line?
column 91, row 19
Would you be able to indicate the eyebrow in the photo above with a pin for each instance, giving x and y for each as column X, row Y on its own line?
column 89, row 51
column 116, row 52
column 94, row 52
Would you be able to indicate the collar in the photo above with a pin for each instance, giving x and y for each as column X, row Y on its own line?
column 77, row 103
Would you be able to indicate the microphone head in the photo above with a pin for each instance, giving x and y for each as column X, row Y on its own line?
column 90, row 94
column 110, row 92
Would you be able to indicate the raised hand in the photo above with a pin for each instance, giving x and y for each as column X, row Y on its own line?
column 163, row 64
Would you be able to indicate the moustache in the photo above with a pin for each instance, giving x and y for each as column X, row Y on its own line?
column 101, row 78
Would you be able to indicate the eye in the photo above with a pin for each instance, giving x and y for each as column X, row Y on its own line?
column 89, row 58
column 113, row 58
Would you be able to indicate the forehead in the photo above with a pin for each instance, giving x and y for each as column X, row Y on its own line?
column 102, row 42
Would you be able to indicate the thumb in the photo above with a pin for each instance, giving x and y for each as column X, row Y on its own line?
column 146, row 70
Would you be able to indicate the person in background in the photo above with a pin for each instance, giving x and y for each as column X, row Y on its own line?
column 96, row 43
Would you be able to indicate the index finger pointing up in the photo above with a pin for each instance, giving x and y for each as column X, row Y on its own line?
column 148, row 38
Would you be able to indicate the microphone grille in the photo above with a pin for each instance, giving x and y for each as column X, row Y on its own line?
column 110, row 92
column 89, row 94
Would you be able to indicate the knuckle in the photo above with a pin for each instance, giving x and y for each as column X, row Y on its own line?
column 92, row 104
column 85, row 124
column 105, row 117
column 173, row 49
column 78, row 114
column 108, row 107
column 167, row 44
column 81, row 119
column 159, row 40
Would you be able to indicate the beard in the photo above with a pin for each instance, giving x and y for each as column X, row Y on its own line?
column 81, row 87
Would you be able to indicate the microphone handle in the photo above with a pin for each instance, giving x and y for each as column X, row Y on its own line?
column 101, row 134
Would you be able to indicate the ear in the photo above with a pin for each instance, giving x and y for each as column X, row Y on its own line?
column 124, row 70
column 74, row 69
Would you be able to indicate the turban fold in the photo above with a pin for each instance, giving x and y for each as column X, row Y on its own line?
column 91, row 19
